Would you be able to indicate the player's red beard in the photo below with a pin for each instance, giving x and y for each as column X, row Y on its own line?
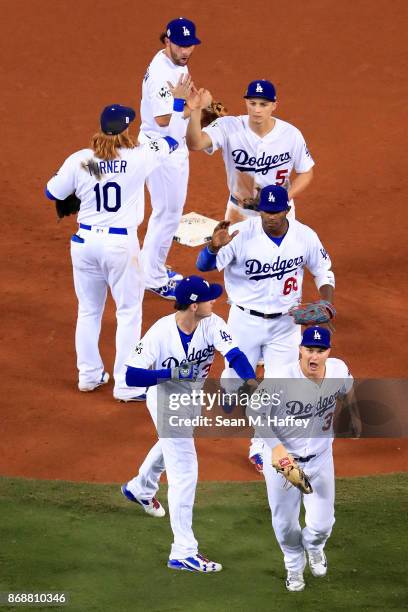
column 180, row 55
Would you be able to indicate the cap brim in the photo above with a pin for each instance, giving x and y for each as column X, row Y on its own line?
column 215, row 291
column 184, row 43
column 260, row 96
column 312, row 345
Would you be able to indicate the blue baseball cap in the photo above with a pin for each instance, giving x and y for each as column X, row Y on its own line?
column 193, row 289
column 261, row 89
column 182, row 32
column 116, row 118
column 316, row 336
column 273, row 199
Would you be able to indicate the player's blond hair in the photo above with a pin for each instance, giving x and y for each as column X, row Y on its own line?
column 106, row 147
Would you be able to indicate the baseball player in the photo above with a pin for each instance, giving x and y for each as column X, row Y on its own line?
column 168, row 184
column 309, row 389
column 180, row 347
column 258, row 148
column 263, row 261
column 108, row 179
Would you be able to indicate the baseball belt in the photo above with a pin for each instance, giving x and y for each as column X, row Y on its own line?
column 112, row 230
column 255, row 313
column 304, row 459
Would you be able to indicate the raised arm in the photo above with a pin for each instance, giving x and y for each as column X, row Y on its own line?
column 196, row 139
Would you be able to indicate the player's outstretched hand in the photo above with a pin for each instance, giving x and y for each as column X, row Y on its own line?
column 186, row 371
column 183, row 87
column 221, row 236
column 199, row 99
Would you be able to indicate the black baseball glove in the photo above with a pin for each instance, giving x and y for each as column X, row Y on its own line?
column 69, row 206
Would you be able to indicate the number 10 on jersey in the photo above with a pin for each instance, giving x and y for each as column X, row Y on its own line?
column 110, row 198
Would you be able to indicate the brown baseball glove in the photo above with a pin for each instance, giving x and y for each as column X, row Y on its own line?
column 212, row 112
column 293, row 474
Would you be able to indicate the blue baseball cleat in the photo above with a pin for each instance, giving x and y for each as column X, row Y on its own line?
column 197, row 563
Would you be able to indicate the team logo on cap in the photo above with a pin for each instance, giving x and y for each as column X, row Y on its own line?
column 271, row 198
column 259, row 88
column 186, row 31
column 316, row 335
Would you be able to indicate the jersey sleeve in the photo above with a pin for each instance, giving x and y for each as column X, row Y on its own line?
column 218, row 133
column 348, row 380
column 145, row 353
column 303, row 161
column 160, row 97
column 62, row 184
column 154, row 152
column 222, row 337
column 319, row 262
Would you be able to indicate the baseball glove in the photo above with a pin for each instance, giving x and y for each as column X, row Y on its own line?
column 212, row 112
column 252, row 203
column 315, row 313
column 293, row 474
column 69, row 206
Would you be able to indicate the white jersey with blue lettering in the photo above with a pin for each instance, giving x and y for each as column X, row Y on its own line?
column 311, row 405
column 117, row 199
column 161, row 347
column 269, row 159
column 261, row 276
column 157, row 100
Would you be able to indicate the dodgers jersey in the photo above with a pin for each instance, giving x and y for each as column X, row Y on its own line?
column 161, row 347
column 117, row 199
column 262, row 276
column 312, row 403
column 269, row 159
column 157, row 99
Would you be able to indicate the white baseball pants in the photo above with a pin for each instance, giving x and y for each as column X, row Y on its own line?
column 275, row 340
column 107, row 260
column 179, row 458
column 285, row 508
column 168, row 191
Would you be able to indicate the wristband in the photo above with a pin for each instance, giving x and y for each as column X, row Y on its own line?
column 178, row 104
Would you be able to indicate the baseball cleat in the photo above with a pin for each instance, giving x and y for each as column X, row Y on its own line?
column 257, row 461
column 137, row 398
column 173, row 275
column 317, row 563
column 168, row 292
column 152, row 507
column 198, row 563
column 294, row 581
column 92, row 386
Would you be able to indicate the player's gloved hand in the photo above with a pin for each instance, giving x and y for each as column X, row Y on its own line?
column 315, row 313
column 69, row 206
column 186, row 371
column 285, row 465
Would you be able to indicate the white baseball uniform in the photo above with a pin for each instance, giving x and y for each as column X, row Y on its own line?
column 269, row 159
column 267, row 279
column 161, row 347
column 105, row 251
column 314, row 404
column 168, row 184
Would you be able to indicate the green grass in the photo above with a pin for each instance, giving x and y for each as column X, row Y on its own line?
column 89, row 541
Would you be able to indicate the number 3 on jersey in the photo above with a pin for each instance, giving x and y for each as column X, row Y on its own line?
column 111, row 197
